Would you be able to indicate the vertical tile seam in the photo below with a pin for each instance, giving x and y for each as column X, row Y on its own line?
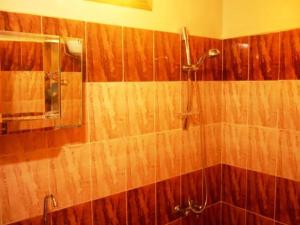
column 278, row 131
column 221, row 141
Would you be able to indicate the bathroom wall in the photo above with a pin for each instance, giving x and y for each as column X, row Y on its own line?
column 202, row 17
column 260, row 153
column 130, row 162
column 243, row 17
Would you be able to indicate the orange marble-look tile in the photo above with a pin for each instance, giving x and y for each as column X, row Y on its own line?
column 138, row 54
column 168, row 154
column 23, row 185
column 140, row 98
column 108, row 167
column 211, row 101
column 192, row 150
column 167, row 56
column 22, row 142
column 288, row 155
column 20, row 22
column 70, row 179
column 104, row 52
column 235, row 102
column 63, row 27
column 263, row 148
column 289, row 110
column 263, row 103
column 213, row 144
column 167, row 108
column 235, row 145
column 107, row 110
column 141, row 161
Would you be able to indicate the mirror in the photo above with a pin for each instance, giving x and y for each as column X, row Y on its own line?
column 40, row 82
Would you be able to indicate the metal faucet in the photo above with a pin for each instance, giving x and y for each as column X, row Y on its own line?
column 46, row 206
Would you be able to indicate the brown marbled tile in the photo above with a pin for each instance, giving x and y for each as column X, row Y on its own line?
column 141, row 206
column 289, row 109
column 287, row 201
column 234, row 185
column 75, row 215
column 10, row 55
column 264, row 103
column 212, row 215
column 61, row 137
column 263, row 149
column 213, row 177
column 197, row 48
column 138, row 54
column 140, row 100
column 260, row 193
column 24, row 183
column 141, row 161
column 192, row 188
column 290, row 55
column 104, row 52
column 264, row 57
column 254, row 219
column 19, row 22
column 288, row 154
column 110, row 210
column 235, row 55
column 232, row 215
column 31, row 56
column 22, row 142
column 70, row 169
column 167, row 197
column 167, row 56
column 63, row 27
column 176, row 222
column 31, row 221
column 212, row 67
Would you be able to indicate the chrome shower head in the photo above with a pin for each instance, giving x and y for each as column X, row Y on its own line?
column 213, row 52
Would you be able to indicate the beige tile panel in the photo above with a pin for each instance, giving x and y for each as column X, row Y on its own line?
column 141, row 160
column 235, row 145
column 264, row 103
column 107, row 110
column 211, row 101
column 289, row 111
column 108, row 167
column 70, row 179
column 168, row 154
column 140, row 98
column 263, row 149
column 167, row 106
column 235, row 102
column 213, row 144
column 23, row 185
column 192, row 149
column 289, row 155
